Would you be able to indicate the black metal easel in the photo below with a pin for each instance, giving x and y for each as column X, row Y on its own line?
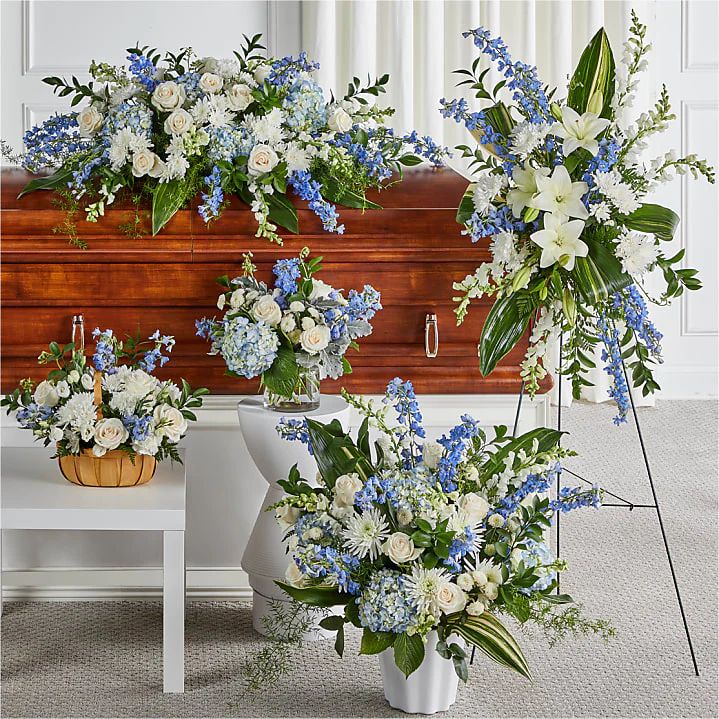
column 621, row 502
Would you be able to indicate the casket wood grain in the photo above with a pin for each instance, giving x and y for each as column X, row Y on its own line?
column 412, row 251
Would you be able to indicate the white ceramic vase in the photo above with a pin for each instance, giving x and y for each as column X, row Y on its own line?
column 431, row 688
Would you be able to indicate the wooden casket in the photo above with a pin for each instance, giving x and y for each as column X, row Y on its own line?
column 412, row 251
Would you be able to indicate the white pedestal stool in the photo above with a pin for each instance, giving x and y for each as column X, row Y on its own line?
column 265, row 559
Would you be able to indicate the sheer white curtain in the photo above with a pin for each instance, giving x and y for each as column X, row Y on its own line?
column 420, row 43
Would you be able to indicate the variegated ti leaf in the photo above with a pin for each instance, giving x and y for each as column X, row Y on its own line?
column 466, row 206
column 599, row 274
column 490, row 636
column 167, row 198
column 654, row 220
column 594, row 77
column 501, row 122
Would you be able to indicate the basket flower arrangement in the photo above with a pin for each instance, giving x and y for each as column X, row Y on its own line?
column 110, row 419
column 426, row 544
column 292, row 335
column 174, row 125
column 561, row 190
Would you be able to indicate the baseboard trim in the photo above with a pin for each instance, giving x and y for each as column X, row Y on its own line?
column 118, row 584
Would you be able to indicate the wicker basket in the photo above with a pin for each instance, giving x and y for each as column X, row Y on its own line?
column 113, row 469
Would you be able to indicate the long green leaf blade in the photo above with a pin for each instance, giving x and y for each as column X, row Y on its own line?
column 167, row 199
column 654, row 220
column 50, row 182
column 335, row 452
column 595, row 73
column 283, row 212
column 315, row 596
column 505, row 324
column 599, row 275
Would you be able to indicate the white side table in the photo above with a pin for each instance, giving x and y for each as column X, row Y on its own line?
column 36, row 496
column 265, row 559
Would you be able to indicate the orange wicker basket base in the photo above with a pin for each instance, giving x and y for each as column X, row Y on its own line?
column 114, row 469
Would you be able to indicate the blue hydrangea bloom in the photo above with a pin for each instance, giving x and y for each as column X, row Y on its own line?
column 386, row 604
column 248, row 348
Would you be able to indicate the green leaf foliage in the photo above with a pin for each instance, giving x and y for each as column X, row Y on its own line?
column 376, row 642
column 466, row 207
column 408, row 652
column 167, row 199
column 49, row 182
column 595, row 73
column 281, row 377
column 599, row 274
column 315, row 596
column 283, row 212
column 347, row 198
column 654, row 220
column 506, row 322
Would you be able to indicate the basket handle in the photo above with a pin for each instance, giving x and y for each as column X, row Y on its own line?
column 97, row 394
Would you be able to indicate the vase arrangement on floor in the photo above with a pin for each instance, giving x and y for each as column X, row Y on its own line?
column 110, row 419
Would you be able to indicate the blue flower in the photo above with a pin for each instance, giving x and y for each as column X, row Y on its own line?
column 538, row 557
column 455, row 446
column 104, row 358
column 286, row 272
column 612, row 355
column 295, row 430
column 248, row 348
column 53, row 142
column 287, row 69
column 402, row 397
column 309, row 190
column 214, row 197
column 386, row 603
column 575, row 497
column 144, row 70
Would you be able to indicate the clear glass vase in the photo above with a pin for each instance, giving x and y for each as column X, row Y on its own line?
column 305, row 394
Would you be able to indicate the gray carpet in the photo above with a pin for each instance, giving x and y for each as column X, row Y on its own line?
column 104, row 659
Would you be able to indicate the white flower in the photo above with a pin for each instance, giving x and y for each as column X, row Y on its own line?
column 79, row 413
column 314, row 340
column 496, row 520
column 99, row 451
column 210, row 83
column 87, row 381
column 236, row 299
column 239, row 97
column 110, row 433
column 560, row 241
column 294, row 576
column 400, row 548
column 338, row 120
column 404, row 515
column 491, row 591
column 296, row 157
column 527, row 136
column 169, row 422
column 475, row 609
column 286, row 516
column 221, row 299
column 492, row 573
column 637, row 251
column 320, row 290
column 486, row 188
column 261, row 73
column 262, row 159
column 63, row 389
column 168, row 96
column 559, row 195
column 526, row 187
column 89, row 120
column 176, row 167
column 505, row 253
column 145, row 162
column 431, row 454
column 287, row 324
column 601, row 211
column 177, row 122
column 346, row 486
column 465, row 581
column 268, row 128
column 297, row 306
column 308, row 323
column 73, row 376
column 46, row 394
column 267, row 310
column 365, row 534
column 425, row 586
column 56, row 434
column 149, row 446
column 621, row 195
column 474, row 507
column 451, row 599
column 579, row 131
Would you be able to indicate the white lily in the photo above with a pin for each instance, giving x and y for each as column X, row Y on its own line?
column 559, row 195
column 580, row 131
column 525, row 180
column 560, row 241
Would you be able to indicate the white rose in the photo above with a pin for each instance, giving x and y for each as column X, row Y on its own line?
column 236, row 299
column 431, row 454
column 450, row 598
column 221, row 301
column 465, row 581
column 170, row 422
column 46, row 394
column 110, row 433
column 210, row 83
column 73, row 376
column 56, row 434
column 400, row 548
column 297, row 306
column 345, row 489
column 99, row 451
column 87, row 381
column 177, row 122
column 338, row 120
column 308, row 323
column 267, row 310
column 320, row 290
column 287, row 516
column 294, row 576
column 139, row 384
column 63, row 389
column 476, row 609
column 262, row 159
column 239, row 97
column 288, row 323
column 261, row 74
column 474, row 506
column 168, row 96
column 316, row 339
column 144, row 162
column 89, row 121
column 314, row 534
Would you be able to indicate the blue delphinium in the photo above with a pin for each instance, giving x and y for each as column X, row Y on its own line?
column 294, row 430
column 496, row 221
column 328, row 563
column 402, row 397
column 104, row 358
column 386, row 604
column 143, row 70
column 536, row 483
column 309, row 190
column 612, row 355
column 636, row 315
column 576, row 497
column 455, row 445
column 287, row 69
column 460, row 547
column 52, row 143
column 214, row 197
column 248, row 348
column 138, row 426
column 604, row 160
column 31, row 416
column 363, row 305
column 154, row 356
column 287, row 272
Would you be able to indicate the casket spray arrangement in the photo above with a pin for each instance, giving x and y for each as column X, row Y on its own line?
column 112, row 405
column 411, row 536
column 292, row 335
column 561, row 190
column 174, row 125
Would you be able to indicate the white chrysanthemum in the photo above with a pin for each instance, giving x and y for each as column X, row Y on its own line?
column 622, row 196
column 365, row 534
column 527, row 136
column 79, row 413
column 637, row 252
column 601, row 211
column 485, row 190
column 425, row 586
column 296, row 157
column 506, row 253
column 200, row 111
column 492, row 571
column 268, row 128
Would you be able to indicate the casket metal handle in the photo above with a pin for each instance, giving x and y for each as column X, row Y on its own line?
column 431, row 335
